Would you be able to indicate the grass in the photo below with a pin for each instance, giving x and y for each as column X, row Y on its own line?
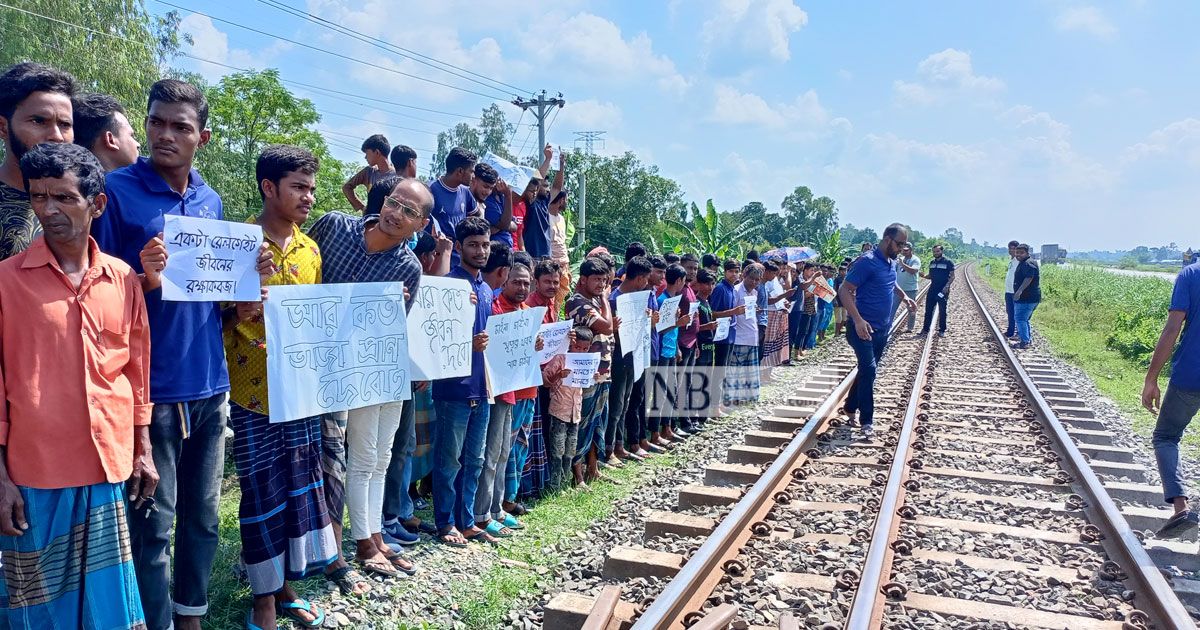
column 1080, row 328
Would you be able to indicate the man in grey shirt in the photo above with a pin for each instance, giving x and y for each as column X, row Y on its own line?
column 908, row 269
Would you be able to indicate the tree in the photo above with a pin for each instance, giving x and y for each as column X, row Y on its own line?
column 833, row 249
column 248, row 111
column 124, row 63
column 773, row 231
column 491, row 134
column 626, row 199
column 808, row 219
column 707, row 233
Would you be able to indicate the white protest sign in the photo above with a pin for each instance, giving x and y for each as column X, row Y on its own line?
column 722, row 330
column 440, row 326
column 210, row 260
column 333, row 347
column 668, row 312
column 583, row 366
column 635, row 329
column 751, row 302
column 693, row 310
column 554, row 339
column 516, row 176
column 510, row 356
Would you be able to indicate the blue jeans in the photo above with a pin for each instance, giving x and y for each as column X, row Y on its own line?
column 397, row 504
column 1023, row 311
column 1012, row 320
column 824, row 314
column 522, row 424
column 861, row 396
column 810, row 337
column 1179, row 406
column 459, row 433
column 189, row 485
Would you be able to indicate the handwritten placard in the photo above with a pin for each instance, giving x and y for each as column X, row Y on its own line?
column 722, row 331
column 751, row 302
column 440, row 325
column 554, row 339
column 333, row 347
column 635, row 329
column 210, row 260
column 511, row 359
column 583, row 366
column 668, row 312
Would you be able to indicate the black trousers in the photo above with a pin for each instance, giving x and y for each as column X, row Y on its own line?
column 931, row 300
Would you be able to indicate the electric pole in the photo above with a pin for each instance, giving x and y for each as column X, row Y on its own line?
column 541, row 106
column 589, row 139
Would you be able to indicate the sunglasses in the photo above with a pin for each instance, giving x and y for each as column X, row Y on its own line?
column 394, row 203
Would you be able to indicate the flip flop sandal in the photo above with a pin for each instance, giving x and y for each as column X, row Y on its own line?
column 291, row 611
column 518, row 509
column 482, row 537
column 377, row 567
column 498, row 529
column 346, row 579
column 1178, row 524
column 396, row 561
column 511, row 522
column 441, row 538
column 422, row 527
column 250, row 625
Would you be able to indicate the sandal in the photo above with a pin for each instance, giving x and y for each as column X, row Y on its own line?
column 347, row 580
column 418, row 526
column 289, row 610
column 518, row 509
column 443, row 537
column 511, row 522
column 498, row 529
column 402, row 565
column 379, row 567
column 250, row 625
column 482, row 536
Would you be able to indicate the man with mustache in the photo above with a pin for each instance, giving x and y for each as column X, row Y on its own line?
column 35, row 107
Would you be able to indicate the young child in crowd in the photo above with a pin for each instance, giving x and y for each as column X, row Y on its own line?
column 565, row 404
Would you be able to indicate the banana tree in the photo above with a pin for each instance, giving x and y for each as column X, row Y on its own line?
column 706, row 234
column 832, row 248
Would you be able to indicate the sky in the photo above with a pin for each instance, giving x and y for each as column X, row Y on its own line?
column 1047, row 121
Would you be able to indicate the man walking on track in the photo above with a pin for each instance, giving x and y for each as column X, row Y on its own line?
column 1182, row 401
column 941, row 276
column 867, row 294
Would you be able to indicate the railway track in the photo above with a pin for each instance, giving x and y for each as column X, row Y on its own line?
column 987, row 498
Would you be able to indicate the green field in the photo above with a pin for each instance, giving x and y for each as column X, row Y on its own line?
column 1107, row 325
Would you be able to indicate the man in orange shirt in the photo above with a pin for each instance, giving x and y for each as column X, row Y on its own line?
column 75, row 417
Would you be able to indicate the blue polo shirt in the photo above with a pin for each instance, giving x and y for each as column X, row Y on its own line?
column 1185, row 365
column 722, row 299
column 493, row 208
column 874, row 277
column 450, row 205
column 187, row 354
column 537, row 229
column 472, row 387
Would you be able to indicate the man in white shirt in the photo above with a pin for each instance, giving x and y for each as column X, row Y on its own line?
column 1011, row 331
column 908, row 270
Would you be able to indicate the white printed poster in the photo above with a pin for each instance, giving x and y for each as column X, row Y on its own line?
column 693, row 310
column 668, row 312
column 751, row 302
column 440, row 326
column 515, row 175
column 210, row 260
column 722, row 331
column 333, row 347
column 583, row 366
column 555, row 338
column 635, row 329
column 510, row 354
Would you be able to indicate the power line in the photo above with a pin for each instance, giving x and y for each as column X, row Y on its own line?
column 516, row 127
column 334, row 53
column 231, row 67
column 388, row 46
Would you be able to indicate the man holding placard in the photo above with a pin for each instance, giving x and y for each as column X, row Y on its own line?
column 461, row 403
column 285, row 528
column 358, row 445
column 188, row 378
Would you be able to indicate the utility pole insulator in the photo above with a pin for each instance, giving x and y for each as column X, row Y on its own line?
column 541, row 106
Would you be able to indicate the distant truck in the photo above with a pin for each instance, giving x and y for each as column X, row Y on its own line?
column 1053, row 254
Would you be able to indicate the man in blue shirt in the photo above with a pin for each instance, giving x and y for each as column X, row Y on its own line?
column 940, row 276
column 1182, row 401
column 867, row 294
column 492, row 192
column 452, row 199
column 188, row 378
column 535, row 235
column 461, row 404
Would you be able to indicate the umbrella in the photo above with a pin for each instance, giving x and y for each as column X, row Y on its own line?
column 793, row 254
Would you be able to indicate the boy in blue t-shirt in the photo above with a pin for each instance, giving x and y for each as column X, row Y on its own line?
column 1182, row 400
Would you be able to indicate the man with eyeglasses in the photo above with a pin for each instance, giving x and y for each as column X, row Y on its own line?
column 369, row 249
column 867, row 294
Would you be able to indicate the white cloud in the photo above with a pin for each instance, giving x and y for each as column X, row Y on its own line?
column 943, row 75
column 1180, row 138
column 589, row 115
column 594, row 47
column 759, row 26
column 1086, row 19
column 212, row 44
column 731, row 106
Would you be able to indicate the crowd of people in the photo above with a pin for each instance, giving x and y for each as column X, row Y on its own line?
column 113, row 431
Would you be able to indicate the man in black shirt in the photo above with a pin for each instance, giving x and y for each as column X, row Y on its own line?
column 940, row 276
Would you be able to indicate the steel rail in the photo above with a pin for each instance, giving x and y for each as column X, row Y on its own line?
column 866, row 609
column 1154, row 595
column 668, row 609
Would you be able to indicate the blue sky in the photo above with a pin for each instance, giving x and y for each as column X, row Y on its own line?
column 1042, row 120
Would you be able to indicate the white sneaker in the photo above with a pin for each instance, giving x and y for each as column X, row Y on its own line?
column 868, row 432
